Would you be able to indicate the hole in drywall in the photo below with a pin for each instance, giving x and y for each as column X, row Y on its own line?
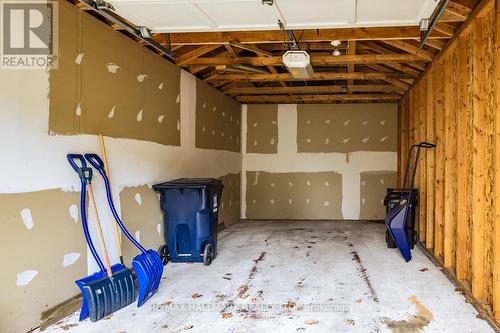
column 139, row 115
column 73, row 212
column 70, row 258
column 138, row 199
column 27, row 218
column 138, row 236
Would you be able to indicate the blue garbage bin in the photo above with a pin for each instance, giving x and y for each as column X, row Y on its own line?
column 190, row 216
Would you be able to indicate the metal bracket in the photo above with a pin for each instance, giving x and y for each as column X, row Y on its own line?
column 427, row 24
column 105, row 9
column 293, row 41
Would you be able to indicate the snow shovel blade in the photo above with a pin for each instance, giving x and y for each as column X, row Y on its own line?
column 396, row 222
column 148, row 269
column 103, row 295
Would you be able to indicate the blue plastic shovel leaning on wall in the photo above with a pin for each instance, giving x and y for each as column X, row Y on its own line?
column 147, row 265
column 112, row 287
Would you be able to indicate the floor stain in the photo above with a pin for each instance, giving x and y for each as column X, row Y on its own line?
column 364, row 275
column 421, row 319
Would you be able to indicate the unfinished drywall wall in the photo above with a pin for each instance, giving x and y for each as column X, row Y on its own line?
column 374, row 186
column 229, row 211
column 294, row 195
column 455, row 106
column 346, row 128
column 37, row 162
column 140, row 210
column 108, row 83
column 218, row 119
column 262, row 129
column 42, row 253
column 327, row 155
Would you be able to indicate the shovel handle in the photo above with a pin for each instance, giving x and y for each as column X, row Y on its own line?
column 74, row 158
column 99, row 231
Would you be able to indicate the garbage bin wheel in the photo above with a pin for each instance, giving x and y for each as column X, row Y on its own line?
column 162, row 251
column 208, row 254
column 390, row 242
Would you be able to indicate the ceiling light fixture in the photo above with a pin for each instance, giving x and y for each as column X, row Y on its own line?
column 336, row 53
column 336, row 43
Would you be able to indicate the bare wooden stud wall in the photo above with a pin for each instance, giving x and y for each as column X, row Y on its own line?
column 454, row 105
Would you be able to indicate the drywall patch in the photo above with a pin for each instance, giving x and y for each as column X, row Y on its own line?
column 70, row 258
column 141, row 213
column 346, row 128
column 24, row 278
column 37, row 278
column 262, row 129
column 220, row 116
column 116, row 74
column 229, row 212
column 73, row 212
column 373, row 190
column 27, row 218
column 313, row 201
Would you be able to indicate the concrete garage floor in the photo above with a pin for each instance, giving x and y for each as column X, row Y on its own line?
column 298, row 276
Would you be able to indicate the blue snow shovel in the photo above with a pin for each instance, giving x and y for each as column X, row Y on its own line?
column 397, row 217
column 147, row 265
column 112, row 287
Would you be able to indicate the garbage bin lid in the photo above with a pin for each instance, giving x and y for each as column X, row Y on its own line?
column 189, row 183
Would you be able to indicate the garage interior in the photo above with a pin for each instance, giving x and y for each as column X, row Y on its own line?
column 202, row 89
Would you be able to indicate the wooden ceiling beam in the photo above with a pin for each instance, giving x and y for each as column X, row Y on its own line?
column 193, row 54
column 251, row 99
column 458, row 9
column 317, row 60
column 318, row 76
column 309, row 35
column 310, row 89
column 407, row 47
